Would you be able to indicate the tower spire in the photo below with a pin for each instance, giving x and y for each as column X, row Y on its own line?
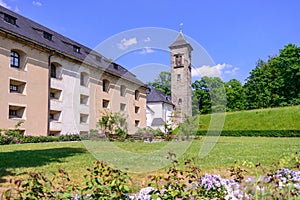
column 180, row 27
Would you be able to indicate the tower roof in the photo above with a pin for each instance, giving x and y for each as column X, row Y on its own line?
column 180, row 41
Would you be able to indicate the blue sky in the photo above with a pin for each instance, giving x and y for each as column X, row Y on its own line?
column 229, row 36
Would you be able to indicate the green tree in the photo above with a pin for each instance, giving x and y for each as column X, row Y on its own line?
column 235, row 95
column 208, row 95
column 275, row 82
column 113, row 123
column 162, row 82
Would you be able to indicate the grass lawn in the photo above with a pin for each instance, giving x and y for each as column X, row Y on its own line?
column 74, row 158
column 283, row 118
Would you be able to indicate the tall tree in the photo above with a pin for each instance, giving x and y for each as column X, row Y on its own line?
column 275, row 82
column 235, row 95
column 208, row 95
column 162, row 82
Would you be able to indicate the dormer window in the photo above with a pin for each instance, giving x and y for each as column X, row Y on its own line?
column 98, row 58
column 76, row 49
column 10, row 19
column 47, row 36
column 116, row 66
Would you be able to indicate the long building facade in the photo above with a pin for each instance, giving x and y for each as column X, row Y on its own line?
column 57, row 86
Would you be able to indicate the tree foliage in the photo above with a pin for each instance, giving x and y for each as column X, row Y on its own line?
column 208, row 95
column 235, row 94
column 275, row 82
column 272, row 83
column 162, row 82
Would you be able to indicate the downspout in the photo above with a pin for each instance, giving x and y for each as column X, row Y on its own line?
column 49, row 88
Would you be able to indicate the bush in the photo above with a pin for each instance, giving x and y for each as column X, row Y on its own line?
column 113, row 125
column 101, row 182
column 16, row 137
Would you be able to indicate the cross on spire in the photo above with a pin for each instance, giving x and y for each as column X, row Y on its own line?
column 180, row 27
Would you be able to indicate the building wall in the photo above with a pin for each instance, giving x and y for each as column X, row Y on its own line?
column 160, row 110
column 34, row 73
column 114, row 98
column 67, row 109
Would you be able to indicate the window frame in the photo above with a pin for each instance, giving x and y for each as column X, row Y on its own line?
column 14, row 59
column 105, row 85
column 10, row 19
column 53, row 71
column 136, row 95
column 122, row 90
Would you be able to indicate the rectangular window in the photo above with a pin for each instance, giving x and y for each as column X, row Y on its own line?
column 137, row 109
column 178, row 77
column 105, row 103
column 84, row 79
column 84, row 99
column 137, row 123
column 122, row 107
column 16, row 86
column 14, row 59
column 98, row 58
column 105, row 85
column 116, row 66
column 76, row 49
column 16, row 112
column 55, row 115
column 47, row 35
column 178, row 59
column 122, row 90
column 10, row 19
column 84, row 118
column 55, row 94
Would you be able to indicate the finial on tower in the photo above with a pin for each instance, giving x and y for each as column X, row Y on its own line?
column 180, row 28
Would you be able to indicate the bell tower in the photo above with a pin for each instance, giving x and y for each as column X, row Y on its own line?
column 181, row 79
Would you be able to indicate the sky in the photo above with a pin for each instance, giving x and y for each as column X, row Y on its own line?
column 228, row 37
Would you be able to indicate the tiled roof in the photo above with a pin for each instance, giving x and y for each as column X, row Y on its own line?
column 31, row 31
column 179, row 41
column 154, row 95
column 157, row 122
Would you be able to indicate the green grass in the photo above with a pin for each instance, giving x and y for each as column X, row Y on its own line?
column 74, row 158
column 285, row 118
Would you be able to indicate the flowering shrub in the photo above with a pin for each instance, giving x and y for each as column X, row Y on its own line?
column 213, row 186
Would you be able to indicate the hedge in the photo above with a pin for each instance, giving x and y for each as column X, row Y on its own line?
column 250, row 133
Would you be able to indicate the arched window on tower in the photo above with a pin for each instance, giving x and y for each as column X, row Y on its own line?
column 178, row 60
column 179, row 101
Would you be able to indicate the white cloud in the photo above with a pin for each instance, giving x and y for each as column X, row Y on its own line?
column 231, row 71
column 2, row 3
column 147, row 39
column 214, row 71
column 146, row 50
column 36, row 3
column 125, row 43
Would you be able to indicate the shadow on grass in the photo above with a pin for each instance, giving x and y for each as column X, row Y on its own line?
column 32, row 158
